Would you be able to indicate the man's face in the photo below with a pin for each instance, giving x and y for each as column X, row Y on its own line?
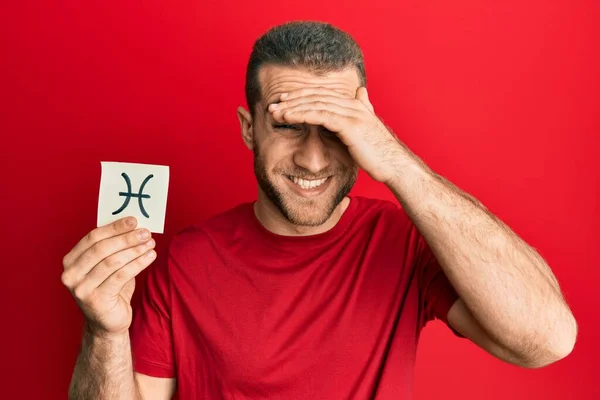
column 304, row 170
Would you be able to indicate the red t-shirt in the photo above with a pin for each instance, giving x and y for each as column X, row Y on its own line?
column 238, row 312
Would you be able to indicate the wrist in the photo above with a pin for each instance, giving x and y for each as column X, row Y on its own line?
column 103, row 344
column 406, row 170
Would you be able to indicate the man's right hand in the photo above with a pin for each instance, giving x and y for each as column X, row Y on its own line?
column 100, row 272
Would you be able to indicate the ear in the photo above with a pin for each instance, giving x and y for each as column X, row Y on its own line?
column 246, row 126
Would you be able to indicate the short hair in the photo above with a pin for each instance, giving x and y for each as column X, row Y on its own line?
column 316, row 46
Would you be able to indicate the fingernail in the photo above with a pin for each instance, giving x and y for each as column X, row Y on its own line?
column 283, row 95
column 130, row 221
column 144, row 234
column 151, row 254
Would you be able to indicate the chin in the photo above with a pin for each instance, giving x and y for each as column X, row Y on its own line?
column 302, row 203
column 308, row 212
column 311, row 210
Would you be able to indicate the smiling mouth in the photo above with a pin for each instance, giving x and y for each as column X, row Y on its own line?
column 308, row 184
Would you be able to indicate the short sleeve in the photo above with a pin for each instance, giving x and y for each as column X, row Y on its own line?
column 150, row 331
column 436, row 290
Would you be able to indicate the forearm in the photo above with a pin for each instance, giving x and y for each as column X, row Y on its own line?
column 505, row 283
column 104, row 369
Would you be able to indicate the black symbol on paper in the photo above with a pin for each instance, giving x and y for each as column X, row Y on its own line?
column 140, row 195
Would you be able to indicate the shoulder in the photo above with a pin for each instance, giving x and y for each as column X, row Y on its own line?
column 385, row 221
column 381, row 211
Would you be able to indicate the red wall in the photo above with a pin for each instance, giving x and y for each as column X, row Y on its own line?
column 502, row 98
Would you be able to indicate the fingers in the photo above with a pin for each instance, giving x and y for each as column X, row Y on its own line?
column 116, row 228
column 117, row 280
column 322, row 99
column 314, row 105
column 110, row 265
column 323, row 91
column 316, row 98
column 99, row 251
column 324, row 116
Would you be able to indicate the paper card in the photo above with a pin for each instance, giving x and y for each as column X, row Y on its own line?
column 138, row 190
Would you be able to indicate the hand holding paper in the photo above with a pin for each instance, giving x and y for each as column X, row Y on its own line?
column 100, row 273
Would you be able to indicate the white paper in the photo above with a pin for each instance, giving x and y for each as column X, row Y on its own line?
column 147, row 204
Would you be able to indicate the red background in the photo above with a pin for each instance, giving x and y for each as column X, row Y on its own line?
column 501, row 98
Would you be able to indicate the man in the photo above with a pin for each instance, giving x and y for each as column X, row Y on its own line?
column 308, row 293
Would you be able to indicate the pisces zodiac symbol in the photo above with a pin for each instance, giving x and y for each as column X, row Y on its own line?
column 140, row 195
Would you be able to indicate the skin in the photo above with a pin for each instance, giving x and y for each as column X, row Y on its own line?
column 301, row 150
column 100, row 272
column 510, row 302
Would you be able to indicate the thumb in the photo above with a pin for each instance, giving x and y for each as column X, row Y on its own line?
column 363, row 96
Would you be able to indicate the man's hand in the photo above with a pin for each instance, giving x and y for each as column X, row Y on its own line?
column 372, row 146
column 100, row 273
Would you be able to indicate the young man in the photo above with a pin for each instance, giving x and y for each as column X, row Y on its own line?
column 308, row 293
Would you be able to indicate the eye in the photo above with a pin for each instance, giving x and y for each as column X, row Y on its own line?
column 326, row 133
column 287, row 127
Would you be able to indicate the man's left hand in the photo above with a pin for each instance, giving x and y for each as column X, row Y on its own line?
column 372, row 146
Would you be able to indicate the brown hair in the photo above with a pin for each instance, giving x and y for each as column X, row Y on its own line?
column 317, row 46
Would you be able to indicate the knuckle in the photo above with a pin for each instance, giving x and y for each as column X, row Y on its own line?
column 96, row 249
column 133, row 238
column 102, row 249
column 122, row 225
column 66, row 260
column 112, row 263
column 80, row 292
column 86, row 258
column 66, row 279
column 92, row 236
column 122, row 275
column 139, row 250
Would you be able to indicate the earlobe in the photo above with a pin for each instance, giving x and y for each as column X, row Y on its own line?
column 246, row 127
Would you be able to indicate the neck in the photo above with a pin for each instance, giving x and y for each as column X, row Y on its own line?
column 273, row 220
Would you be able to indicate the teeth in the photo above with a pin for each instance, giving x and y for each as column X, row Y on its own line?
column 306, row 184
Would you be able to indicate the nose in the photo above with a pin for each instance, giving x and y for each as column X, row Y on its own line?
column 313, row 154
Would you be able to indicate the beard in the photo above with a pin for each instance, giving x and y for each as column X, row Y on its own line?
column 299, row 210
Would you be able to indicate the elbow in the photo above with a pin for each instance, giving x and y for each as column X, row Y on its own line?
column 557, row 347
column 548, row 358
